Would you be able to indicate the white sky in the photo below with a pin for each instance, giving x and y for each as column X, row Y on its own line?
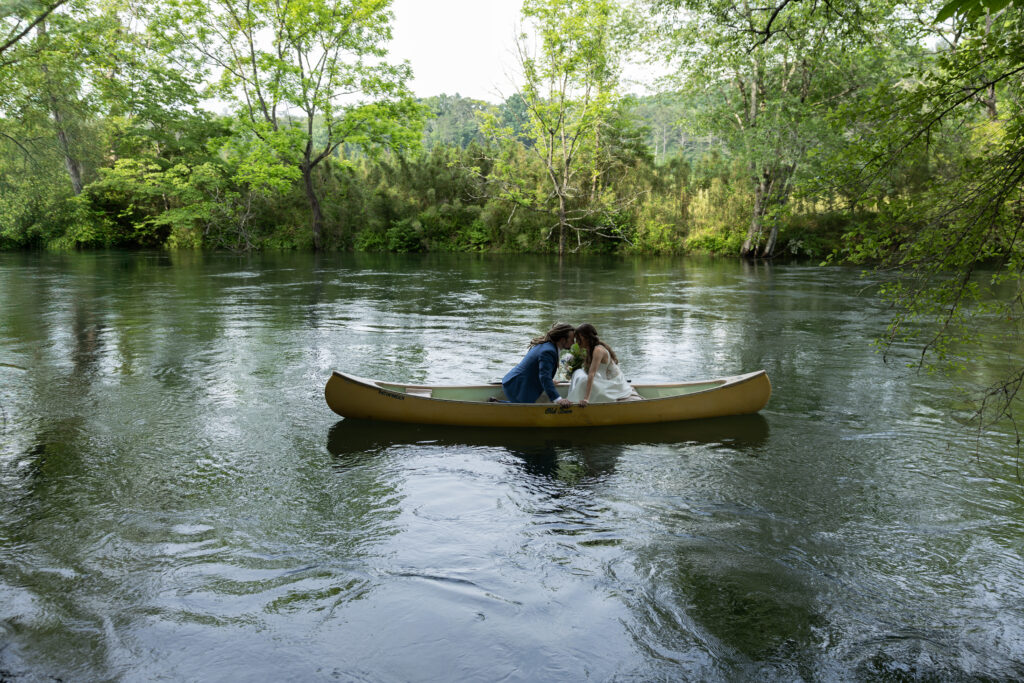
column 458, row 46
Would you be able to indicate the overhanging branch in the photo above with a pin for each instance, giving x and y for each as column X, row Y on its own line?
column 42, row 17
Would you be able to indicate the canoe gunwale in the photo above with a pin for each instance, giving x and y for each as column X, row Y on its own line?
column 372, row 384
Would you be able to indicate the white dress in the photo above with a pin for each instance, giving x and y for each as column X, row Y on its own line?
column 609, row 385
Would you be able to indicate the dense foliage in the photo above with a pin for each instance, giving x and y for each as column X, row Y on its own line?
column 104, row 140
column 944, row 169
column 780, row 129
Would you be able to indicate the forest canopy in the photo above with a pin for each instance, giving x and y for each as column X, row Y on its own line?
column 869, row 131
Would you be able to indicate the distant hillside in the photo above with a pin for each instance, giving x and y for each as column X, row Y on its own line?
column 661, row 118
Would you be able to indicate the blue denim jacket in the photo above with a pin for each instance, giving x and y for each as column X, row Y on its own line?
column 525, row 382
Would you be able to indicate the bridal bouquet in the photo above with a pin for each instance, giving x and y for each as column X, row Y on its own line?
column 573, row 361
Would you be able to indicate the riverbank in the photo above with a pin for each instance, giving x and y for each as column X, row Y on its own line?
column 441, row 198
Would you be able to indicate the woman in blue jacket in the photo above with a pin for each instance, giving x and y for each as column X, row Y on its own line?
column 535, row 373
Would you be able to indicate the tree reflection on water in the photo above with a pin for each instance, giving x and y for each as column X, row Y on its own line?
column 559, row 453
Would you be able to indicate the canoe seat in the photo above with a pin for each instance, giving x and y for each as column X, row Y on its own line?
column 425, row 392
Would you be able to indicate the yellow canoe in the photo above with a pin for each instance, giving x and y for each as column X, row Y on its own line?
column 370, row 399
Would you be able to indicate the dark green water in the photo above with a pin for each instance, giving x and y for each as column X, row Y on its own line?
column 177, row 502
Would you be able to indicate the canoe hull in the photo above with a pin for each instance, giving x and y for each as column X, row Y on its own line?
column 355, row 397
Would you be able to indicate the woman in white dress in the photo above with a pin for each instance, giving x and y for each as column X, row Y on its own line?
column 599, row 380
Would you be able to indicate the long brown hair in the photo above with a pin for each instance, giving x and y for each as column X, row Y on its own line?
column 588, row 333
column 557, row 332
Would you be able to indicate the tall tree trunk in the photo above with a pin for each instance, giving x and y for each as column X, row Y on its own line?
column 781, row 184
column 74, row 168
column 762, row 186
column 561, row 224
column 768, row 250
column 316, row 214
column 990, row 103
column 993, row 113
column 72, row 165
column 990, row 95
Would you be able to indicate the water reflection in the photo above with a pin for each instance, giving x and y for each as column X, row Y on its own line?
column 565, row 454
column 357, row 436
column 353, row 436
column 165, row 489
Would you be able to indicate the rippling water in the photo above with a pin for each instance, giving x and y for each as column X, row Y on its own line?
column 177, row 502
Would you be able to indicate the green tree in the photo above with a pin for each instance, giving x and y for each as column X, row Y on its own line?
column 50, row 78
column 305, row 76
column 769, row 75
column 454, row 121
column 17, row 19
column 79, row 75
column 569, row 86
column 953, row 246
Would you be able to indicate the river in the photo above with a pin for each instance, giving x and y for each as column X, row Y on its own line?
column 177, row 501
